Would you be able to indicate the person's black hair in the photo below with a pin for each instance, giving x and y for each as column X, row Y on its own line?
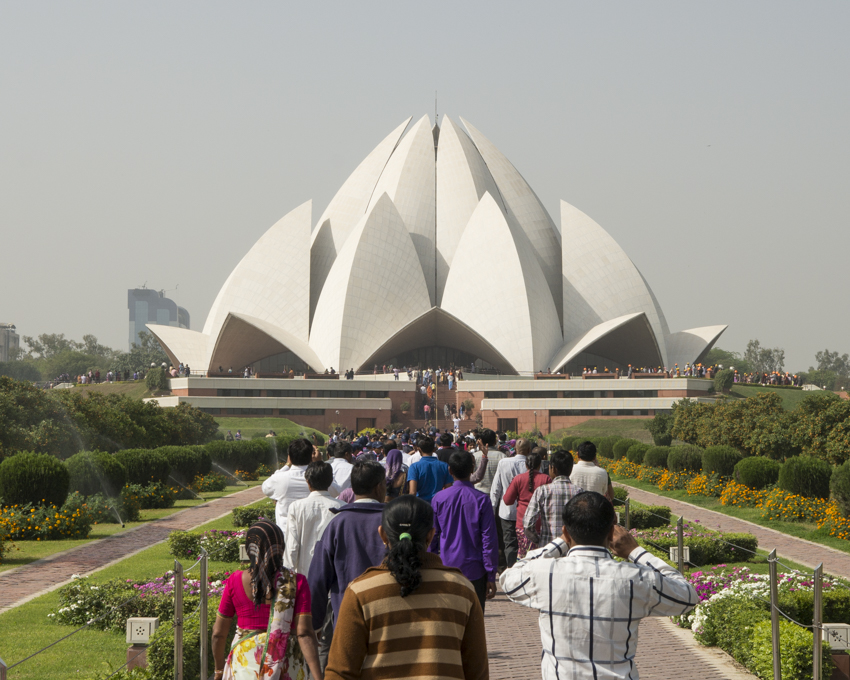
column 503, row 436
column 366, row 475
column 330, row 448
column 588, row 517
column 426, row 445
column 461, row 464
column 587, row 451
column 407, row 515
column 341, row 449
column 388, row 446
column 562, row 461
column 319, row 475
column 301, row 452
column 487, row 436
column 532, row 464
column 446, row 439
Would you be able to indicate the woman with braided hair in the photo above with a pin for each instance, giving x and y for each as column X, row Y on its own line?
column 411, row 616
column 272, row 642
column 520, row 491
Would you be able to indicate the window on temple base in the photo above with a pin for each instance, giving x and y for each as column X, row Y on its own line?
column 506, row 424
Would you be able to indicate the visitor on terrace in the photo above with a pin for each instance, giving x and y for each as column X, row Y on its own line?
column 261, row 645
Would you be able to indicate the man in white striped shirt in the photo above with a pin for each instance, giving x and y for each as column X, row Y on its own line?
column 590, row 605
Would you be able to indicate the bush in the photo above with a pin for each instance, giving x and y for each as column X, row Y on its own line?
column 720, row 460
column 621, row 448
column 96, row 472
column 211, row 482
column 806, row 476
column 656, row 456
column 636, row 452
column 144, row 466
column 100, row 510
column 156, row 380
column 757, row 472
column 245, row 455
column 606, row 446
column 795, row 649
column 36, row 478
column 724, row 380
column 186, row 462
column 222, row 546
column 685, row 458
column 621, row 493
column 251, row 514
column 730, row 623
column 707, row 547
column 44, row 523
column 839, row 484
column 648, row 517
column 155, row 496
column 661, row 429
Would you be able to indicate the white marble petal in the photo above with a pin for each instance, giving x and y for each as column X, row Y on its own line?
column 368, row 299
column 526, row 208
column 272, row 281
column 687, row 347
column 183, row 346
column 600, row 282
column 510, row 305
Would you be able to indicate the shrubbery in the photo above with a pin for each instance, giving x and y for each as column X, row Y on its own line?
column 661, row 429
column 706, row 547
column 144, row 466
column 621, row 448
column 795, row 652
column 221, row 546
column 806, row 476
column 649, row 517
column 251, row 514
column 36, row 478
column 636, row 453
column 656, row 456
column 242, row 455
column 684, row 458
column 186, row 462
column 606, row 446
column 94, row 472
column 757, row 472
column 720, row 460
column 213, row 481
column 840, row 486
column 43, row 523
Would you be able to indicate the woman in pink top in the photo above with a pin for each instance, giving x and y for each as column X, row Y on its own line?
column 274, row 644
column 520, row 491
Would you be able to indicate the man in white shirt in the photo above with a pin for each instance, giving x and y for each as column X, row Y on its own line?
column 588, row 475
column 590, row 605
column 307, row 518
column 341, row 464
column 288, row 484
column 506, row 471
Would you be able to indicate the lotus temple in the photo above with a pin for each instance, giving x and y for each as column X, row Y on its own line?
column 435, row 252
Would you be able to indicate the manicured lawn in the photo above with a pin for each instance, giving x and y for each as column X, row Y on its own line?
column 634, row 428
column 259, row 427
column 790, row 398
column 30, row 551
column 27, row 628
column 134, row 390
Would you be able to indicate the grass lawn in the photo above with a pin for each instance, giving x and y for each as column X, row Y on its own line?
column 25, row 552
column 603, row 427
column 790, row 398
column 134, row 390
column 26, row 629
column 259, row 427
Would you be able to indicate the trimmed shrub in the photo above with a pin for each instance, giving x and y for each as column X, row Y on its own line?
column 606, row 446
column 800, row 604
column 839, row 484
column 37, row 478
column 685, row 458
column 636, row 452
column 214, row 481
column 757, row 472
column 720, row 460
column 578, row 441
column 621, row 493
column 95, row 472
column 155, row 496
column 156, row 380
column 730, row 623
column 187, row 462
column 648, row 517
column 656, row 456
column 806, row 476
column 724, row 380
column 144, row 466
column 795, row 651
column 711, row 549
column 621, row 448
column 661, row 429
column 245, row 455
column 250, row 514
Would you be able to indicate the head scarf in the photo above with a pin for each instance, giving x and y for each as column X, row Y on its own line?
column 264, row 543
column 394, row 462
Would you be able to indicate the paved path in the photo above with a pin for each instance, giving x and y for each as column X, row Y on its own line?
column 665, row 652
column 27, row 582
column 799, row 550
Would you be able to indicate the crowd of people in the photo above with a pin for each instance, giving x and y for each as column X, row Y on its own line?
column 381, row 559
column 689, row 371
column 772, row 378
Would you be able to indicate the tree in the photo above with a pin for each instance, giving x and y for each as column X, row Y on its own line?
column 830, row 361
column 661, row 429
column 141, row 355
column 721, row 357
column 724, row 380
column 762, row 359
column 825, row 379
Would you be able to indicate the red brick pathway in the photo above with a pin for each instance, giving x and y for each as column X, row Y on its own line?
column 799, row 550
column 24, row 583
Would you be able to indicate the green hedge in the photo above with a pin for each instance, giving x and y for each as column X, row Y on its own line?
column 730, row 625
column 685, row 458
column 37, row 478
column 795, row 652
column 621, row 448
column 144, row 466
column 187, row 462
column 93, row 472
column 636, row 453
column 656, row 456
column 720, row 460
column 648, row 517
column 714, row 551
column 606, row 446
column 806, row 476
column 839, row 484
column 247, row 515
column 757, row 472
column 246, row 455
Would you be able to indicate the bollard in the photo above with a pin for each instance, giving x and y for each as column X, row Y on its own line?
column 203, row 615
column 178, row 620
column 817, row 621
column 628, row 521
column 680, row 541
column 774, row 615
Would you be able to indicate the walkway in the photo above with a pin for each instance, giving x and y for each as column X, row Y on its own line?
column 799, row 550
column 27, row 582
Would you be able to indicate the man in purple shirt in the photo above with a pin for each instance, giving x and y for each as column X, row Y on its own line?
column 466, row 528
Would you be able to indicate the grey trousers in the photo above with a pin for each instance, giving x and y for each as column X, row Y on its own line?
column 511, row 547
column 326, row 636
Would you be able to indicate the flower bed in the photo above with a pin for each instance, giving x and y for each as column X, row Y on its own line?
column 213, row 481
column 221, row 546
column 247, row 515
column 706, row 546
column 43, row 523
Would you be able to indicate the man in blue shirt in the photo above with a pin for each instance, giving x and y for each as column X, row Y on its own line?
column 429, row 474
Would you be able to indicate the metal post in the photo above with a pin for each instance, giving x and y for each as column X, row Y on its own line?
column 774, row 615
column 203, row 616
column 628, row 523
column 178, row 620
column 680, row 541
column 2, row 669
column 817, row 621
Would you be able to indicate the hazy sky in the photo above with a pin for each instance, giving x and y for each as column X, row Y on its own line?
column 155, row 142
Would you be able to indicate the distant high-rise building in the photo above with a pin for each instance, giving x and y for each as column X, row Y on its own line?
column 151, row 306
column 9, row 342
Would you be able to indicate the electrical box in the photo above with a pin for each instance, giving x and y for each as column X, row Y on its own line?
column 140, row 629
column 674, row 553
column 837, row 635
column 243, row 553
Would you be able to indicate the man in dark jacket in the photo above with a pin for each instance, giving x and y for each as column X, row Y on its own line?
column 349, row 546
